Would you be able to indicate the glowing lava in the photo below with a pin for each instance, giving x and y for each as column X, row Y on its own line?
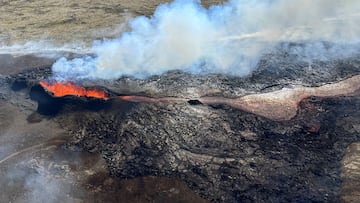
column 134, row 98
column 68, row 88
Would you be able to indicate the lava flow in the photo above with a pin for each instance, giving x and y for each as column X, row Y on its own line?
column 134, row 98
column 68, row 88
column 278, row 105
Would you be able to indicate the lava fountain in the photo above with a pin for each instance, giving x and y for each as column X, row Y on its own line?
column 60, row 89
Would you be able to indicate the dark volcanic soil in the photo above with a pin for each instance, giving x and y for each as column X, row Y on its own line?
column 226, row 154
column 221, row 153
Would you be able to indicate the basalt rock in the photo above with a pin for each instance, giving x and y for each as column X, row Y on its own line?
column 226, row 154
column 223, row 153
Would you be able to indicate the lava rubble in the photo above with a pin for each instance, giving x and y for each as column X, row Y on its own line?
column 225, row 150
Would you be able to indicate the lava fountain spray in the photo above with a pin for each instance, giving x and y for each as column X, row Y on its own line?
column 227, row 38
column 60, row 89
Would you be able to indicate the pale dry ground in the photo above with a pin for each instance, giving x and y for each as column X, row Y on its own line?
column 68, row 21
column 351, row 172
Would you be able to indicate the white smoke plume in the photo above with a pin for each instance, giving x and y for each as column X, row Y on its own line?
column 227, row 38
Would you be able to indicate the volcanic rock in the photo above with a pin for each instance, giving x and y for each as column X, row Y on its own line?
column 224, row 154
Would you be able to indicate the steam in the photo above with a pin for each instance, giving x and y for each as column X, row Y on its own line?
column 38, row 184
column 228, row 38
column 43, row 49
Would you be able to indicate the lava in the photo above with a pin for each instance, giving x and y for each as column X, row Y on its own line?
column 278, row 105
column 60, row 89
column 137, row 98
column 134, row 98
column 283, row 104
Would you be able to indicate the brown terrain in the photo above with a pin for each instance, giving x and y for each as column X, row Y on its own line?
column 70, row 21
column 66, row 158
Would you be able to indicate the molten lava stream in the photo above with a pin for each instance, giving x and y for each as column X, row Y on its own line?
column 134, row 98
column 68, row 88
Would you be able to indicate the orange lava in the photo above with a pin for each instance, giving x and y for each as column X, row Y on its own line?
column 134, row 98
column 68, row 88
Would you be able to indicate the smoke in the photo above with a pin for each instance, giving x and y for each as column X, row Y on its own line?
column 228, row 38
column 33, row 184
column 43, row 48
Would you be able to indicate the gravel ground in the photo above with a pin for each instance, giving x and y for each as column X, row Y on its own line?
column 67, row 21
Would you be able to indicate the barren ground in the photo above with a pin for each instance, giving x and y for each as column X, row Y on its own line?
column 67, row 21
column 35, row 163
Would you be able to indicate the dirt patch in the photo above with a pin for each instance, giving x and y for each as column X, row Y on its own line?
column 144, row 189
column 6, row 117
column 351, row 174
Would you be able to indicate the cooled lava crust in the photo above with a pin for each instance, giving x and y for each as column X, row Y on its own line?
column 223, row 153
